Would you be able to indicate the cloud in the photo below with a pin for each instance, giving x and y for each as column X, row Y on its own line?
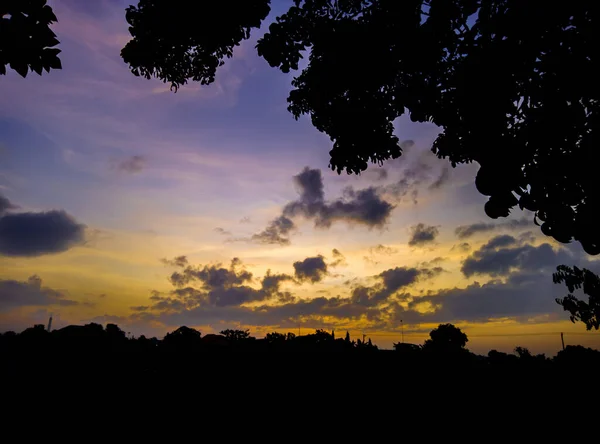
column 223, row 296
column 467, row 231
column 310, row 186
column 277, row 232
column 222, row 231
column 339, row 259
column 34, row 234
column 30, row 293
column 480, row 303
column 382, row 249
column 6, row 205
column 390, row 282
column 311, row 269
column 217, row 286
column 503, row 254
column 464, row 247
column 382, row 173
column 131, row 165
column 313, row 313
column 271, row 282
column 356, row 207
column 370, row 260
column 422, row 234
column 362, row 207
column 408, row 185
column 434, row 262
column 379, row 250
column 441, row 180
column 245, row 220
column 212, row 276
column 179, row 261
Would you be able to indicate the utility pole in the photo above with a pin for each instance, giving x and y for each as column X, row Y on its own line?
column 402, row 329
column 562, row 339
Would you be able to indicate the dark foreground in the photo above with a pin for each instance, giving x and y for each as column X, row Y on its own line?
column 88, row 369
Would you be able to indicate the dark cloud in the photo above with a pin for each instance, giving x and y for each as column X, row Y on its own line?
column 389, row 282
column 480, row 303
column 310, row 186
column 356, row 207
column 433, row 262
column 311, row 313
column 223, row 295
column 464, row 247
column 226, row 296
column 339, row 259
column 6, row 205
column 467, row 231
column 277, row 232
column 220, row 295
column 139, row 308
column 441, row 180
column 362, row 207
column 285, row 297
column 503, row 255
column 422, row 234
column 311, row 269
column 131, row 165
column 30, row 293
column 212, row 276
column 501, row 241
column 217, row 286
column 222, row 231
column 271, row 282
column 179, row 261
column 526, row 290
column 398, row 277
column 432, row 272
column 34, row 234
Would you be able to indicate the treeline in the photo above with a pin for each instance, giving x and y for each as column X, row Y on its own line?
column 447, row 342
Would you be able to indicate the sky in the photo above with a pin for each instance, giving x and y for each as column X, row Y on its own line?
column 123, row 202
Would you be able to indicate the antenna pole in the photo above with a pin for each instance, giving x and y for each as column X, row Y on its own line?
column 402, row 329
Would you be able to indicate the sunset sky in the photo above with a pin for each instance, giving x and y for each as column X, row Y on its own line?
column 123, row 202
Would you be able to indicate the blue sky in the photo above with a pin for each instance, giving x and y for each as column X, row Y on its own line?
column 154, row 175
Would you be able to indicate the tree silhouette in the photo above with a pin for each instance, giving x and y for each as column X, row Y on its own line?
column 26, row 40
column 511, row 88
column 275, row 338
column 576, row 278
column 236, row 335
column 183, row 338
column 181, row 40
column 523, row 352
column 446, row 338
